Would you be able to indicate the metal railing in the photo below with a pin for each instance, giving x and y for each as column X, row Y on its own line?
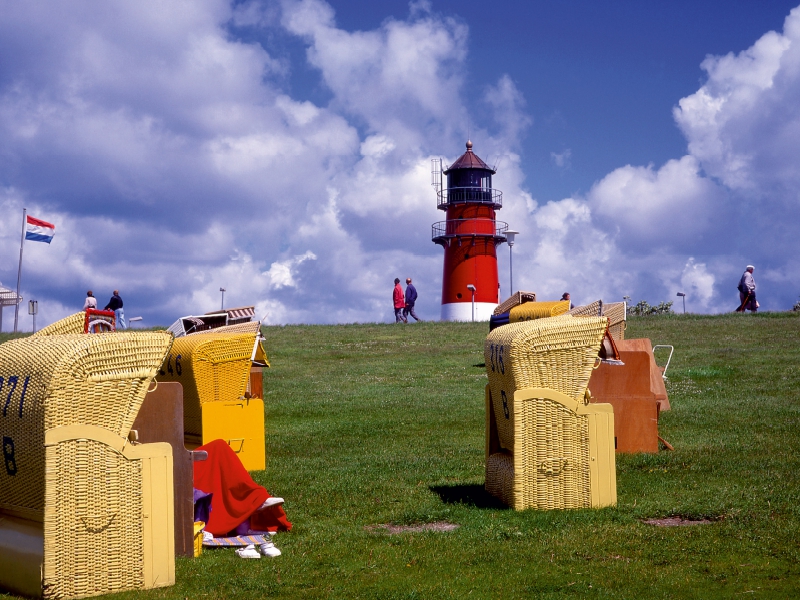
column 471, row 195
column 444, row 231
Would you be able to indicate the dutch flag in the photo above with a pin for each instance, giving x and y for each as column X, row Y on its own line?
column 39, row 231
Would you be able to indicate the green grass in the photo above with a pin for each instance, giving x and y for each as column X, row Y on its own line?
column 375, row 424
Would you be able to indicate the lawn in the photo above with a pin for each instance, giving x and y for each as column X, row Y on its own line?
column 369, row 425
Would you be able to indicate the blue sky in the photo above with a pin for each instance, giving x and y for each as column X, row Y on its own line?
column 282, row 150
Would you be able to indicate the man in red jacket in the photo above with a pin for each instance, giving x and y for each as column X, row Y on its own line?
column 399, row 302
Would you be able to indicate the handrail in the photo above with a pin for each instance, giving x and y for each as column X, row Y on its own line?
column 443, row 231
column 469, row 195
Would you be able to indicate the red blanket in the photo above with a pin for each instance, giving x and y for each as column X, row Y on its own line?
column 236, row 497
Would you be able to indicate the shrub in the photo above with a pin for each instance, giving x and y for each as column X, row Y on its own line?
column 643, row 309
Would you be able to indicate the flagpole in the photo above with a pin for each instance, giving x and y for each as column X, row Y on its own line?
column 19, row 271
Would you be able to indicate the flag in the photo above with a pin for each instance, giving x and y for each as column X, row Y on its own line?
column 39, row 231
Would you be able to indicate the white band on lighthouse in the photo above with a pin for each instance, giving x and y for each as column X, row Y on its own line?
column 462, row 311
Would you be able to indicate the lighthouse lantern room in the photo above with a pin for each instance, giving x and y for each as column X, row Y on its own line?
column 469, row 236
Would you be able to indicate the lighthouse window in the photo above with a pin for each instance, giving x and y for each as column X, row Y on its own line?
column 458, row 295
column 469, row 178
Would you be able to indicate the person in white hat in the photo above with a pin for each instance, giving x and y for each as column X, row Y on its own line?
column 747, row 291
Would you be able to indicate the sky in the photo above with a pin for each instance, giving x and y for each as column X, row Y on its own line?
column 282, row 150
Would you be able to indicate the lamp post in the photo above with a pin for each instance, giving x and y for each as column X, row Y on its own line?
column 472, row 289
column 33, row 308
column 222, row 304
column 683, row 296
column 510, row 235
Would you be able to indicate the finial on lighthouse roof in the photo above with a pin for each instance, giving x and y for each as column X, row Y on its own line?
column 469, row 145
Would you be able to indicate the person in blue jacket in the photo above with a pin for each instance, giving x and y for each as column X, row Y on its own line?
column 411, row 299
column 115, row 304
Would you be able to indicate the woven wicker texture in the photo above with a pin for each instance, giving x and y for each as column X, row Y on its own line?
column 551, row 457
column 52, row 381
column 555, row 353
column 587, row 310
column 92, row 526
column 514, row 300
column 615, row 312
column 537, row 310
column 248, row 327
column 67, row 325
column 211, row 367
column 500, row 477
column 87, row 494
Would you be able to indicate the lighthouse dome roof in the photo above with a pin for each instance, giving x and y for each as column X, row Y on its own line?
column 469, row 160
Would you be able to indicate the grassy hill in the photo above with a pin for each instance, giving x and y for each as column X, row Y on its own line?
column 373, row 425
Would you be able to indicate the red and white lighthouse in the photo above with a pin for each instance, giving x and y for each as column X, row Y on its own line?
column 469, row 236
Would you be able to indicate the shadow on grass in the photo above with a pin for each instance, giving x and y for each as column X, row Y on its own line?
column 471, row 495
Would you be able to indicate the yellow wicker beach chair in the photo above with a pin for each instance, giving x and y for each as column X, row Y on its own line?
column 537, row 310
column 514, row 300
column 248, row 327
column 82, row 511
column 67, row 325
column 545, row 446
column 214, row 370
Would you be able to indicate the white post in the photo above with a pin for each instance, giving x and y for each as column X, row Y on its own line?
column 33, row 308
column 510, row 235
column 472, row 289
column 19, row 270
column 510, row 269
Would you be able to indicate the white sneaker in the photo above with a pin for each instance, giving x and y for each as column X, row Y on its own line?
column 269, row 549
column 248, row 552
column 274, row 501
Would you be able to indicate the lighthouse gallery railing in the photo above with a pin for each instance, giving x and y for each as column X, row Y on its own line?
column 472, row 195
column 443, row 231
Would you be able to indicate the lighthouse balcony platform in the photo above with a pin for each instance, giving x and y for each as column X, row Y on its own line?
column 469, row 195
column 444, row 232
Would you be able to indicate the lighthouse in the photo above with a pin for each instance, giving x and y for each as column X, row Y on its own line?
column 469, row 236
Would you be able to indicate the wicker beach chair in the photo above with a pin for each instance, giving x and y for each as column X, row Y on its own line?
column 214, row 370
column 514, row 300
column 68, row 325
column 82, row 511
column 617, row 323
column 248, row 327
column 545, row 446
column 88, row 321
column 537, row 310
column 587, row 310
column 615, row 311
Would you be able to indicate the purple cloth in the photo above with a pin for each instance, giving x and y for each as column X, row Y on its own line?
column 202, row 505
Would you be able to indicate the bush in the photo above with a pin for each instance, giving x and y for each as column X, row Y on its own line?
column 796, row 306
column 643, row 309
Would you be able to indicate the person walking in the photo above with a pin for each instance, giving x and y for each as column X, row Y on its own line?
column 747, row 291
column 90, row 302
column 115, row 304
column 399, row 302
column 411, row 299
